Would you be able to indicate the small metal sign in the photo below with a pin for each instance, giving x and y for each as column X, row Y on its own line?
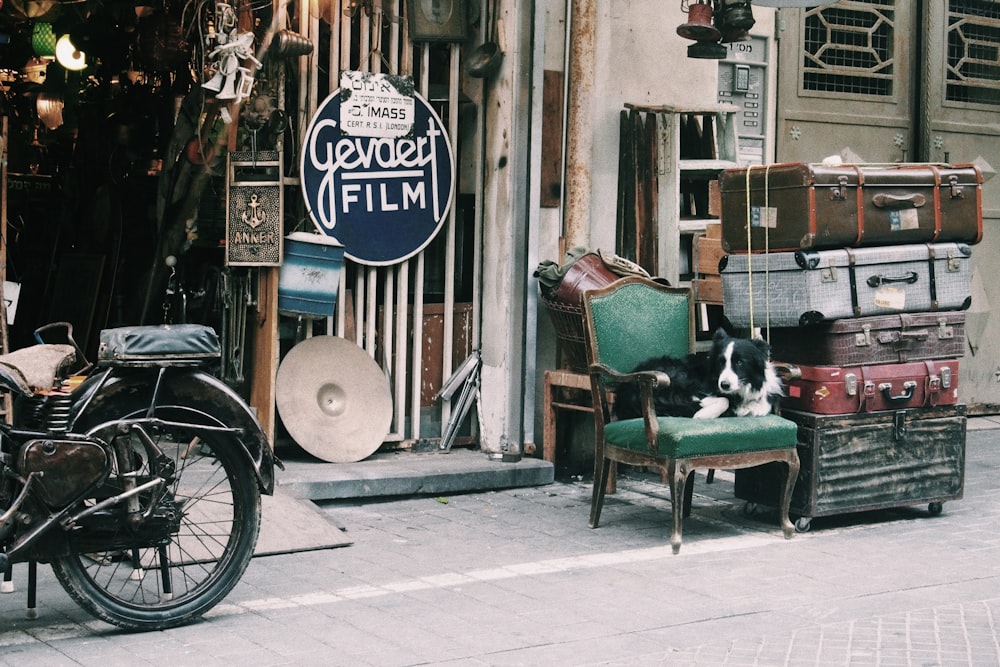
column 376, row 105
column 254, row 204
column 382, row 195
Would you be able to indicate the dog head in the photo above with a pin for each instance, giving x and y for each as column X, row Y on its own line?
column 741, row 366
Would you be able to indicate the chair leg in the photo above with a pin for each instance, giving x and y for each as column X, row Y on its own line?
column 601, row 468
column 548, row 421
column 791, row 476
column 688, row 494
column 678, row 478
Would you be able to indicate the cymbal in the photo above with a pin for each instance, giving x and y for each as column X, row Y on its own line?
column 333, row 399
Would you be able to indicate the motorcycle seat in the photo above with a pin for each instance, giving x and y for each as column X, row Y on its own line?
column 36, row 368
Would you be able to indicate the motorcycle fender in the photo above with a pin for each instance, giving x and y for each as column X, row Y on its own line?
column 104, row 395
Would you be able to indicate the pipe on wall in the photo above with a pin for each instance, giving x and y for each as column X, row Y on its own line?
column 582, row 27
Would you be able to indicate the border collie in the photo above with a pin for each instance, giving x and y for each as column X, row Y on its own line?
column 736, row 379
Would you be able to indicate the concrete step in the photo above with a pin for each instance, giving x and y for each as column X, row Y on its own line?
column 408, row 473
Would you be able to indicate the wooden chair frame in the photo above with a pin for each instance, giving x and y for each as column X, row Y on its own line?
column 605, row 377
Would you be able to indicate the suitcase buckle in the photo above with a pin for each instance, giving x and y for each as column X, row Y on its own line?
column 956, row 189
column 864, row 338
column 839, row 192
column 868, row 389
column 945, row 332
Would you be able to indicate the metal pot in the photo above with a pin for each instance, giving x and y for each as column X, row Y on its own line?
column 485, row 59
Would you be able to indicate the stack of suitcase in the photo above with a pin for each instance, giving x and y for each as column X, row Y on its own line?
column 861, row 275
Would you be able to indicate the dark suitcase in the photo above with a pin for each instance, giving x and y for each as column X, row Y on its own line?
column 812, row 206
column 787, row 289
column 869, row 461
column 881, row 339
column 836, row 390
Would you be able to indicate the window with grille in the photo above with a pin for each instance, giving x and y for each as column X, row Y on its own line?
column 973, row 73
column 848, row 48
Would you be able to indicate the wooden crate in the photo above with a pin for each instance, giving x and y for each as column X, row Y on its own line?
column 707, row 283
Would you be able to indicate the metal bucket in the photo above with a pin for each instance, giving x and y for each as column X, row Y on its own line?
column 310, row 275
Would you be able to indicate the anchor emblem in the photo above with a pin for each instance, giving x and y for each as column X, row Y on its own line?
column 255, row 215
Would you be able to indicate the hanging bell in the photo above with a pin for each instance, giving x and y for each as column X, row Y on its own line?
column 214, row 84
column 736, row 15
column 228, row 91
column 699, row 25
column 290, row 44
column 730, row 36
column 707, row 50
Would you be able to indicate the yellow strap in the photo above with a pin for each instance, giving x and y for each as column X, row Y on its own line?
column 749, row 248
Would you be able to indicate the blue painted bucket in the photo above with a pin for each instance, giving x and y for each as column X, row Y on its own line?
column 310, row 275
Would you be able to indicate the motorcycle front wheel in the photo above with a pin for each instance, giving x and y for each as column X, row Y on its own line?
column 215, row 493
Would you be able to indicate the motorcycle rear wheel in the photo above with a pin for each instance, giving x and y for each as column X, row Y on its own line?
column 158, row 587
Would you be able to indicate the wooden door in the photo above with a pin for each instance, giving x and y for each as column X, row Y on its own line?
column 904, row 81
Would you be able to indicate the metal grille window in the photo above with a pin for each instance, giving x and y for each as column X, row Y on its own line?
column 973, row 73
column 848, row 48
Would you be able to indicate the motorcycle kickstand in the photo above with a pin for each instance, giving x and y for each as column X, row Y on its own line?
column 31, row 612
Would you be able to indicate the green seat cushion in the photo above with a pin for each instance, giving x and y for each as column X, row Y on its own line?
column 683, row 437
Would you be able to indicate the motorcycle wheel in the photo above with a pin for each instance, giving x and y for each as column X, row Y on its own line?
column 152, row 588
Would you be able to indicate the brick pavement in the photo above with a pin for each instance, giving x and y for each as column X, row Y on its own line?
column 516, row 578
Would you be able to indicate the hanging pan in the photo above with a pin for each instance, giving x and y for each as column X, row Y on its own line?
column 485, row 59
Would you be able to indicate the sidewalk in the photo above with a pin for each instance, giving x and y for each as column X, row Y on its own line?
column 516, row 577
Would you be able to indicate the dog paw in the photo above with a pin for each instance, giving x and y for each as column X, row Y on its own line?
column 712, row 407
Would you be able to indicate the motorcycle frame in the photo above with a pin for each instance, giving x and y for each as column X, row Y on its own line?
column 96, row 398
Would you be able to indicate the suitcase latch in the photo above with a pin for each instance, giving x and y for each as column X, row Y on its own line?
column 864, row 338
column 840, row 192
column 945, row 332
column 956, row 189
column 953, row 264
column 899, row 425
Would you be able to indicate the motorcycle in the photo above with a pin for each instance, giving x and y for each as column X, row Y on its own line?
column 138, row 478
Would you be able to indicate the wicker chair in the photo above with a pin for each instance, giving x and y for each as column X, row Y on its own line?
column 635, row 319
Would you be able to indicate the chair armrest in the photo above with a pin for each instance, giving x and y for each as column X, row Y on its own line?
column 653, row 378
column 787, row 371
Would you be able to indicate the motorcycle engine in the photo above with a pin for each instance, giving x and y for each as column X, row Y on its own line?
column 68, row 467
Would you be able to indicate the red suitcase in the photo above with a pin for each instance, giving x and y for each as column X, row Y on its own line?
column 799, row 206
column 836, row 390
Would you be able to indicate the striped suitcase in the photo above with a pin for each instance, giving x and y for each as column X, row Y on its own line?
column 802, row 288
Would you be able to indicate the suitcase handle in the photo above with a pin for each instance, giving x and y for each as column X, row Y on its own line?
column 908, row 388
column 912, row 200
column 909, row 278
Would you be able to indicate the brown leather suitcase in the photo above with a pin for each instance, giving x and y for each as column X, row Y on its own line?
column 836, row 390
column 798, row 206
column 881, row 339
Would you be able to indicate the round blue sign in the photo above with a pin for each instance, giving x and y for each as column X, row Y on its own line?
column 377, row 179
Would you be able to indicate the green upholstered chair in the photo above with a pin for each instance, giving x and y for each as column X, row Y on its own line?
column 628, row 322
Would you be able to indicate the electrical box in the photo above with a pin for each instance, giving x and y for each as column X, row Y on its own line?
column 743, row 83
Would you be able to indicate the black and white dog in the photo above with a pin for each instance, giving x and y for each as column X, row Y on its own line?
column 736, row 378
